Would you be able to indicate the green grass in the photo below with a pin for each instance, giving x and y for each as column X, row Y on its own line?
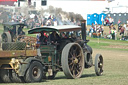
column 107, row 40
column 1, row 29
column 101, row 43
column 97, row 45
column 115, row 73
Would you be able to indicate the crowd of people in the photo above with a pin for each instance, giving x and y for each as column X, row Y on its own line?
column 36, row 20
column 108, row 21
column 96, row 29
column 122, row 29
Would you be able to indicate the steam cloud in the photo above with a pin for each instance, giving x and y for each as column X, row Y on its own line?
column 61, row 15
column 69, row 15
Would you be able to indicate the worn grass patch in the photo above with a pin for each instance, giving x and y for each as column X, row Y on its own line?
column 115, row 72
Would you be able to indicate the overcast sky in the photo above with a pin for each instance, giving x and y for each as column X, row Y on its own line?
column 85, row 7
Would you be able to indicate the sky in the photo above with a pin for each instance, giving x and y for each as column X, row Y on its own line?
column 81, row 7
column 86, row 7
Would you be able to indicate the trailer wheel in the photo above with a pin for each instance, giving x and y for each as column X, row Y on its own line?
column 34, row 72
column 99, row 65
column 72, row 60
column 16, row 78
column 13, row 46
column 6, row 75
column 6, row 37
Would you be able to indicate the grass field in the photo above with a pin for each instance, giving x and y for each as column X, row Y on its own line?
column 115, row 54
column 115, row 71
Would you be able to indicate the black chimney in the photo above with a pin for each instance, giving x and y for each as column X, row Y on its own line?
column 83, row 29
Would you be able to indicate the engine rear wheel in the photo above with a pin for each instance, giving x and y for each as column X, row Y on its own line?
column 72, row 60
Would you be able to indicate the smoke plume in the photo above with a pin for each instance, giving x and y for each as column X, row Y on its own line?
column 69, row 15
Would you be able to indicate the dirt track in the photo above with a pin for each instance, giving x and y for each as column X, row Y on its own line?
column 112, row 54
column 115, row 66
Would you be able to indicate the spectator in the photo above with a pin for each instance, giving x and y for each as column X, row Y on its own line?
column 122, row 30
column 110, row 20
column 126, row 31
column 127, row 21
column 49, row 17
column 107, row 22
column 124, row 25
column 102, row 19
column 119, row 23
column 91, row 30
column 113, row 33
column 95, row 28
column 101, row 29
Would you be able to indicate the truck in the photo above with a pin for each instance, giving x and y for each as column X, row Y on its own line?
column 35, row 61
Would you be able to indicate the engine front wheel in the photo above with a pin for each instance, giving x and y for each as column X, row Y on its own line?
column 99, row 65
column 34, row 72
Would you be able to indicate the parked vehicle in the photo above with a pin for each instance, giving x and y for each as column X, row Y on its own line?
column 12, row 30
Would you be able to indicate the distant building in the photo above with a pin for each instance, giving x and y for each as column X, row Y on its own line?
column 7, row 2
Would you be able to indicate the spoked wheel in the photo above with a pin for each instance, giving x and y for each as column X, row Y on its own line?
column 72, row 60
column 6, row 37
column 34, row 73
column 99, row 65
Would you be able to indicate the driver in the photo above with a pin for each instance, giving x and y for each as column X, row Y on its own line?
column 43, row 38
column 20, row 30
column 54, row 37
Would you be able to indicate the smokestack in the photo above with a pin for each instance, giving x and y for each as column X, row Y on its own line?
column 29, row 2
column 83, row 29
column 18, row 3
